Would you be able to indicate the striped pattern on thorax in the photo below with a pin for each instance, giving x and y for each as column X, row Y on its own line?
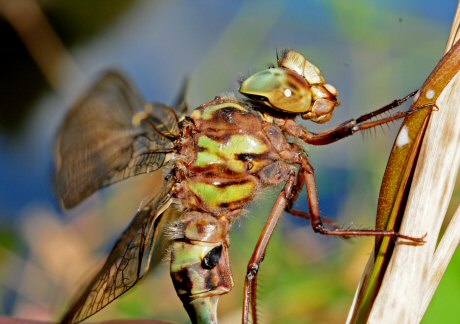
column 229, row 149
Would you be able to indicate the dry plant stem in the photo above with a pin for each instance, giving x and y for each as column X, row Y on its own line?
column 414, row 273
column 443, row 254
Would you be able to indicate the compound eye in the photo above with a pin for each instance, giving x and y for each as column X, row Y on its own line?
column 280, row 88
column 290, row 98
column 211, row 259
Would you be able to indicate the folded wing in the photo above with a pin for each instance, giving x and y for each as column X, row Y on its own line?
column 103, row 140
column 128, row 261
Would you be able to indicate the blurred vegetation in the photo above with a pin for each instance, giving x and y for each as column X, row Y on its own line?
column 21, row 82
column 305, row 278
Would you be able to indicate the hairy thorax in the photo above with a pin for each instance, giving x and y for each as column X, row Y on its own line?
column 231, row 154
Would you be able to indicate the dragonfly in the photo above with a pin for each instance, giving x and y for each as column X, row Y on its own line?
column 217, row 159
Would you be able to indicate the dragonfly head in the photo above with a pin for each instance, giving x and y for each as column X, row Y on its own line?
column 296, row 86
column 200, row 265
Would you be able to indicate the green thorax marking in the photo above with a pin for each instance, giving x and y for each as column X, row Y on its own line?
column 230, row 147
column 215, row 196
column 208, row 112
column 227, row 153
column 237, row 144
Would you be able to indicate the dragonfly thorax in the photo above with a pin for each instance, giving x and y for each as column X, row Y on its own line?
column 227, row 157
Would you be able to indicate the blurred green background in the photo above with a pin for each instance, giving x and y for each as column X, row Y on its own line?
column 372, row 52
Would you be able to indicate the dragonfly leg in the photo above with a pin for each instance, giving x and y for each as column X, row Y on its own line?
column 296, row 190
column 306, row 215
column 384, row 109
column 316, row 222
column 353, row 126
column 300, row 213
column 250, row 284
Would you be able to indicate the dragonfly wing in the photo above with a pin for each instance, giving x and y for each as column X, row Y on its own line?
column 99, row 144
column 128, row 261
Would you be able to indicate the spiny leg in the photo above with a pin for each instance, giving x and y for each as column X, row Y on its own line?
column 309, row 178
column 306, row 215
column 352, row 126
column 296, row 191
column 384, row 109
column 250, row 283
column 254, row 299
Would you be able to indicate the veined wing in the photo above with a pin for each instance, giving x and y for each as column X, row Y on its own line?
column 110, row 134
column 128, row 261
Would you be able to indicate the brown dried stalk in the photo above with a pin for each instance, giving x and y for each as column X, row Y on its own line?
column 415, row 272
